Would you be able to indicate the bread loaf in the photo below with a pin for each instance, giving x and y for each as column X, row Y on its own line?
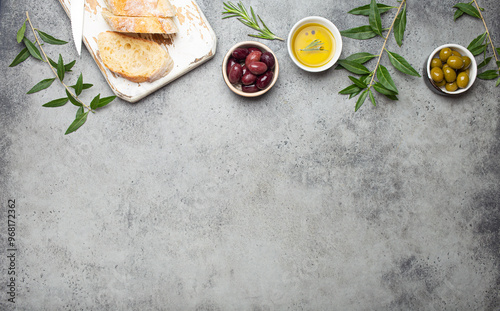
column 159, row 8
column 146, row 24
column 135, row 59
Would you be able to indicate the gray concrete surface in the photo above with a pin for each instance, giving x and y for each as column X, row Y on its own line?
column 196, row 199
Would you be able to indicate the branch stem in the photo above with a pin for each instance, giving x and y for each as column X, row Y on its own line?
column 385, row 42
column 487, row 31
column 51, row 67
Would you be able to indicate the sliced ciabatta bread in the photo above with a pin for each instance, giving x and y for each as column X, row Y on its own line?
column 159, row 8
column 135, row 59
column 145, row 24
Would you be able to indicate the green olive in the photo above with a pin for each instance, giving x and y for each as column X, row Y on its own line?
column 462, row 80
column 449, row 74
column 444, row 54
column 440, row 84
column 436, row 62
column 456, row 53
column 467, row 71
column 437, row 74
column 455, row 62
column 451, row 87
column 467, row 61
column 446, row 66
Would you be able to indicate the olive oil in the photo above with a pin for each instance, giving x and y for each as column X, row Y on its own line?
column 310, row 53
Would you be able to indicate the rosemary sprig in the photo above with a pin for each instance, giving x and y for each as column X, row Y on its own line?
column 59, row 69
column 249, row 20
column 316, row 45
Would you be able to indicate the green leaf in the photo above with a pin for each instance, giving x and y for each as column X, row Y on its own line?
column 400, row 26
column 359, row 33
column 484, row 62
column 104, row 101
column 477, row 42
column 498, row 82
column 69, row 65
column 372, row 98
column 84, row 86
column 488, row 75
column 361, row 100
column 385, row 79
column 56, row 102
column 79, row 85
column 42, row 85
column 374, row 18
column 79, row 112
column 478, row 50
column 95, row 102
column 60, row 68
column 383, row 90
column 32, row 49
column 468, row 9
column 393, row 97
column 360, row 58
column 79, row 121
column 498, row 50
column 457, row 14
column 401, row 64
column 351, row 89
column 20, row 33
column 49, row 39
column 73, row 100
column 365, row 9
column 21, row 57
column 358, row 82
column 354, row 67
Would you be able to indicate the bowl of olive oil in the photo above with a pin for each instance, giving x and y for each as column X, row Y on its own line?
column 314, row 44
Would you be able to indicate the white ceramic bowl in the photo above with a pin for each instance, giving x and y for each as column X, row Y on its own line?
column 330, row 26
column 472, row 69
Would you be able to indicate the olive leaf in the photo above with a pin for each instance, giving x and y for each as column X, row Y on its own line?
column 49, row 39
column 56, row 102
column 359, row 33
column 374, row 18
column 477, row 46
column 21, row 57
column 60, row 68
column 104, row 101
column 360, row 58
column 484, row 62
column 468, row 9
column 357, row 82
column 384, row 77
column 41, row 85
column 351, row 89
column 372, row 98
column 67, row 67
column 79, row 112
column 365, row 9
column 32, row 49
column 353, row 67
column 84, row 86
column 361, row 100
column 401, row 64
column 20, row 33
column 400, row 26
column 497, row 83
column 95, row 102
column 457, row 14
column 79, row 85
column 73, row 100
column 383, row 90
column 488, row 75
column 77, row 123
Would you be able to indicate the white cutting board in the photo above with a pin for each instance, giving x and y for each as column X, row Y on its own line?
column 192, row 46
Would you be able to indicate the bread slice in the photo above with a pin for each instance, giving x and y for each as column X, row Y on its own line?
column 135, row 59
column 146, row 24
column 158, row 8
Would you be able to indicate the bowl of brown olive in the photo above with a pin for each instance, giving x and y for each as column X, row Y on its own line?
column 450, row 70
column 250, row 69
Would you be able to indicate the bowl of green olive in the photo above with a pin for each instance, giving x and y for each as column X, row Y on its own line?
column 450, row 70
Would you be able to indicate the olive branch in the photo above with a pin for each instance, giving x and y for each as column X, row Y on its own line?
column 480, row 44
column 59, row 69
column 384, row 84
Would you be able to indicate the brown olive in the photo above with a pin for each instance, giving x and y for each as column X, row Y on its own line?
column 437, row 74
column 436, row 62
column 451, row 87
column 449, row 74
column 455, row 62
column 444, row 54
column 467, row 61
column 462, row 80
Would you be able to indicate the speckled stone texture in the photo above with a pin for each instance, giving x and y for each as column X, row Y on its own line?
column 197, row 199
